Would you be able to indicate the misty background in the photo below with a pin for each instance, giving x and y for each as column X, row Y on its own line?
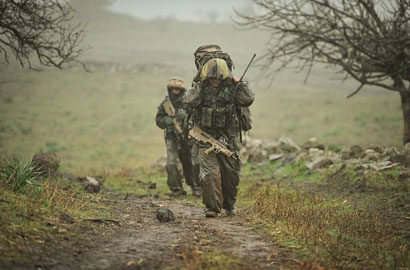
column 105, row 119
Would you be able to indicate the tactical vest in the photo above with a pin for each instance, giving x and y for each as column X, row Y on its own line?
column 216, row 113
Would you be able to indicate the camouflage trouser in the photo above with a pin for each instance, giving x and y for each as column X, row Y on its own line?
column 195, row 166
column 220, row 179
column 182, row 152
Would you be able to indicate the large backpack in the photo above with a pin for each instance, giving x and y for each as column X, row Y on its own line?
column 207, row 52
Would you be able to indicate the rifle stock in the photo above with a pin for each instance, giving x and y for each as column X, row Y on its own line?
column 216, row 146
column 170, row 110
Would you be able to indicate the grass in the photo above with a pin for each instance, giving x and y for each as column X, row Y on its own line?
column 92, row 124
column 138, row 182
column 196, row 257
column 105, row 119
column 329, row 218
column 30, row 218
column 17, row 174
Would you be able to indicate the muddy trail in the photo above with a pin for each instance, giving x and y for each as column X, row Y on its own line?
column 140, row 241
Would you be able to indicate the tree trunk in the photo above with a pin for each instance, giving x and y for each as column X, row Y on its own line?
column 405, row 107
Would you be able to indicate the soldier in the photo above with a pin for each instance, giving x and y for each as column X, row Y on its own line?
column 170, row 116
column 199, row 54
column 214, row 101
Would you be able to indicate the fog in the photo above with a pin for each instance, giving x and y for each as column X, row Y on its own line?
column 183, row 10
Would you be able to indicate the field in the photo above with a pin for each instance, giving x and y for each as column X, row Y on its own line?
column 105, row 120
column 101, row 123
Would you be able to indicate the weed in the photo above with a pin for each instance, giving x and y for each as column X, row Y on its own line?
column 17, row 174
column 334, row 147
column 312, row 214
column 194, row 257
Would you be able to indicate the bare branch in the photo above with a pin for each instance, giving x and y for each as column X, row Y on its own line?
column 367, row 40
column 43, row 29
column 356, row 91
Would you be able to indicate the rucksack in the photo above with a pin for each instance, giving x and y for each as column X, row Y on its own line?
column 200, row 60
column 207, row 52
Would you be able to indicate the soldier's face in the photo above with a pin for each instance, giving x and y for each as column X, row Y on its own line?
column 176, row 91
column 214, row 83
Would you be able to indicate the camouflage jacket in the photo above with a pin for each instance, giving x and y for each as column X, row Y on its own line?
column 215, row 111
column 161, row 114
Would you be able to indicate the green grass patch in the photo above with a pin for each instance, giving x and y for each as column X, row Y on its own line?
column 17, row 174
column 341, row 217
column 30, row 216
column 145, row 181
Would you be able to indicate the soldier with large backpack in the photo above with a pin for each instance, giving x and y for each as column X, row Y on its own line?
column 213, row 100
column 202, row 55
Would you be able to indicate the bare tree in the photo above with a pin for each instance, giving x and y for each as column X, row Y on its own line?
column 368, row 40
column 39, row 30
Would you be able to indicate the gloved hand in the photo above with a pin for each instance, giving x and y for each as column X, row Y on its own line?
column 180, row 115
column 168, row 120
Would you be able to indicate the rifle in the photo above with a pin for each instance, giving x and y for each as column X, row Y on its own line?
column 216, row 145
column 170, row 110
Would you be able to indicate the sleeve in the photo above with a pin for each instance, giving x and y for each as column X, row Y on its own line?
column 159, row 118
column 192, row 98
column 244, row 96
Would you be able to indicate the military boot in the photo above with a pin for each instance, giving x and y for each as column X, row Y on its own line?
column 211, row 214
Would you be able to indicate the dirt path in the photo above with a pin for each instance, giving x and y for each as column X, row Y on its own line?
column 142, row 242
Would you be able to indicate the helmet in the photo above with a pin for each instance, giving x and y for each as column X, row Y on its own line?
column 199, row 53
column 176, row 83
column 215, row 68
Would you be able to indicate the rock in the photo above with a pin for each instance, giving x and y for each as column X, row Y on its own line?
column 46, row 165
column 376, row 148
column 274, row 157
column 287, row 145
column 313, row 143
column 272, row 147
column 371, row 155
column 315, row 152
column 404, row 176
column 152, row 185
column 319, row 163
column 379, row 166
column 356, row 151
column 165, row 215
column 257, row 155
column 394, row 155
column 66, row 218
column 289, row 159
column 91, row 184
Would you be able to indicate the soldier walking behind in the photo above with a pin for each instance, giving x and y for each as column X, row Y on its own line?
column 170, row 117
column 213, row 101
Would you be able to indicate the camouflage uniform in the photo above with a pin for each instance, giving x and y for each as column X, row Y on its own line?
column 199, row 53
column 215, row 113
column 177, row 147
